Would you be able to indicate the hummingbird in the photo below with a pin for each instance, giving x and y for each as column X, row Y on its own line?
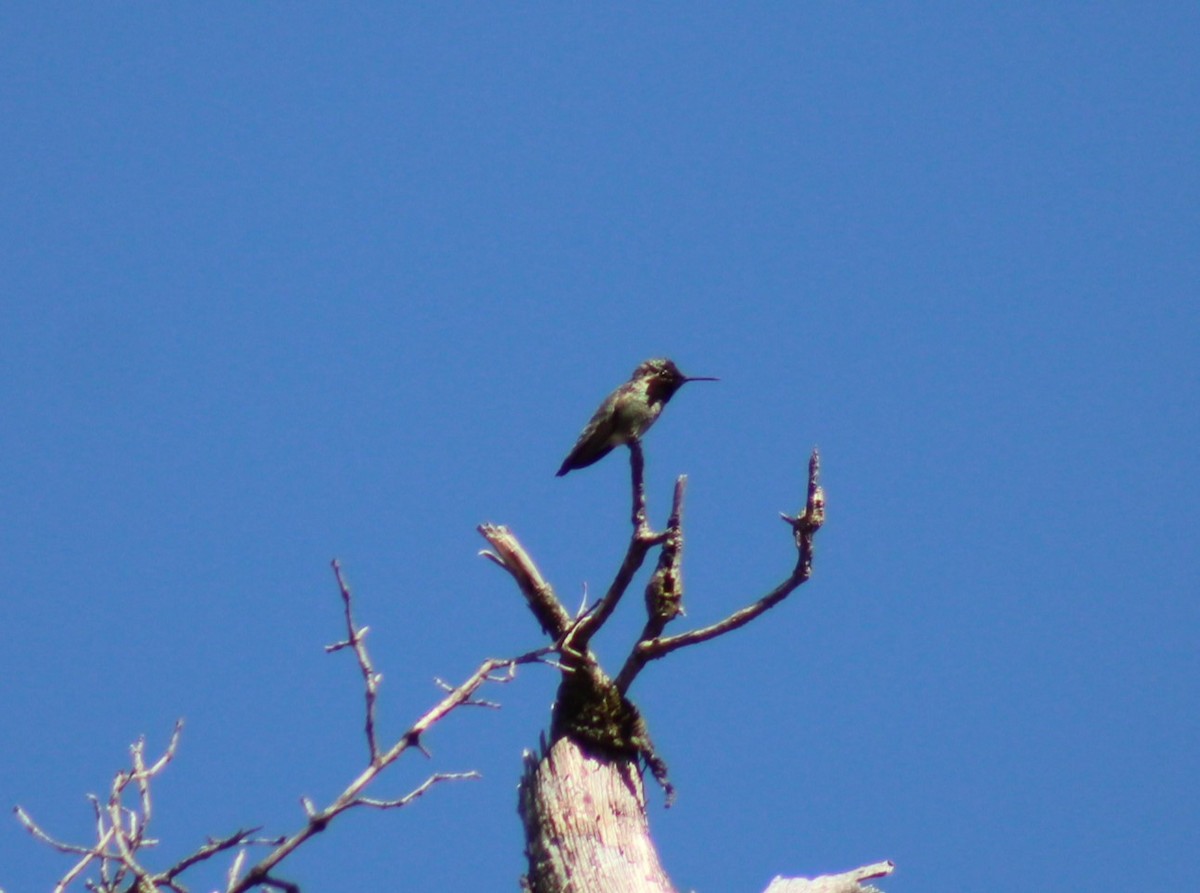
column 628, row 412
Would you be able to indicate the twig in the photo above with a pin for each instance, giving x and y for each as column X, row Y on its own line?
column 637, row 471
column 235, row 868
column 804, row 526
column 640, row 543
column 664, row 592
column 356, row 639
column 401, row 802
column 33, row 828
column 213, row 847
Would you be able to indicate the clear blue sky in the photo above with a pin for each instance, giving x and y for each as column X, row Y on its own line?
column 285, row 282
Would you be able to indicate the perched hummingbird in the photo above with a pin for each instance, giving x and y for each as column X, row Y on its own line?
column 628, row 412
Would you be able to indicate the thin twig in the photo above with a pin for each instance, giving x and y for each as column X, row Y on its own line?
column 33, row 828
column 401, row 802
column 356, row 639
column 209, row 850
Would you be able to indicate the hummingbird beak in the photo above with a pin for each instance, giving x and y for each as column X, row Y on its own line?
column 687, row 378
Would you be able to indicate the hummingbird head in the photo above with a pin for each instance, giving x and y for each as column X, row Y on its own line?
column 663, row 378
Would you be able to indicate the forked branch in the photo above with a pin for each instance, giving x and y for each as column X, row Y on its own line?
column 804, row 527
column 665, row 590
column 642, row 540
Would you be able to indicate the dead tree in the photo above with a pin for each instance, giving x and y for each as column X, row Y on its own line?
column 581, row 796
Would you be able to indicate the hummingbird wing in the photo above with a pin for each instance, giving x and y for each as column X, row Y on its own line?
column 596, row 441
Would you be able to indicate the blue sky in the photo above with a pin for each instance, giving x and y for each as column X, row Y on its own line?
column 289, row 282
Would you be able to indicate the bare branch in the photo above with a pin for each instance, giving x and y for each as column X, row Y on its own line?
column 235, row 869
column 599, row 711
column 33, row 828
column 637, row 472
column 169, row 754
column 78, row 869
column 539, row 594
column 640, row 543
column 664, row 592
column 807, row 523
column 137, row 756
column 318, row 819
column 211, row 848
column 120, row 831
column 355, row 638
column 804, row 526
column 412, row 795
column 125, row 843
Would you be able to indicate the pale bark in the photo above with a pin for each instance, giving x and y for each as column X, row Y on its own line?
column 847, row 882
column 585, row 825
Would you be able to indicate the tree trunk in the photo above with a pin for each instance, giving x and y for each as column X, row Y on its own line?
column 585, row 825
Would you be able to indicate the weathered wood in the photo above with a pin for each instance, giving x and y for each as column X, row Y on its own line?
column 847, row 882
column 585, row 825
